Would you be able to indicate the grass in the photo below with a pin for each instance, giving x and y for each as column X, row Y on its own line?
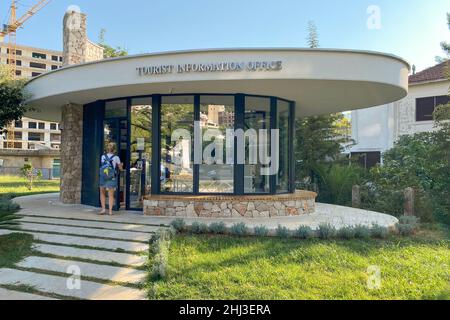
column 220, row 267
column 15, row 186
column 14, row 248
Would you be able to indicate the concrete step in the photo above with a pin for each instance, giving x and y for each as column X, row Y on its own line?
column 117, row 274
column 92, row 224
column 83, row 241
column 122, row 235
column 17, row 295
column 4, row 232
column 61, row 286
column 97, row 255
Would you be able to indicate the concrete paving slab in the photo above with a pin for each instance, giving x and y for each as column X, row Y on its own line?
column 62, row 286
column 119, row 274
column 83, row 241
column 92, row 224
column 98, row 255
column 90, row 242
column 4, row 232
column 123, row 235
column 49, row 205
column 11, row 295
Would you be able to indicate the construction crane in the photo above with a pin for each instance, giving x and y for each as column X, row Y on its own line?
column 10, row 30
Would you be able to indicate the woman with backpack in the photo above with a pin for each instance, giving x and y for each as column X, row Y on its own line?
column 110, row 164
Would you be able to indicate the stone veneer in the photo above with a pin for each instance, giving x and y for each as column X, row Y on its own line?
column 302, row 202
column 94, row 52
column 77, row 47
column 71, row 153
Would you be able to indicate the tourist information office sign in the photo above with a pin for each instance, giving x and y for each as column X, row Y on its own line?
column 251, row 66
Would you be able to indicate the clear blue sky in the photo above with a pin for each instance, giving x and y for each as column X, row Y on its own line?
column 411, row 29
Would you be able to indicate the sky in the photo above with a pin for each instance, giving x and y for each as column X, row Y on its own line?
column 411, row 29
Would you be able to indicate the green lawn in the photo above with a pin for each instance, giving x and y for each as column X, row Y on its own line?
column 14, row 186
column 220, row 267
column 14, row 247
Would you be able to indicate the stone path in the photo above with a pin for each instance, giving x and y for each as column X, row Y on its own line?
column 107, row 249
column 17, row 295
column 105, row 258
column 49, row 206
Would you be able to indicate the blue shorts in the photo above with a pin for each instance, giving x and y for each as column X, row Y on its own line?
column 109, row 184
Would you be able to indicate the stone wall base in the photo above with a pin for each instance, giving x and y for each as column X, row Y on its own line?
column 300, row 203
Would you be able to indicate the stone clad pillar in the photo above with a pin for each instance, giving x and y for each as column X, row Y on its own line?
column 75, row 39
column 71, row 153
column 77, row 49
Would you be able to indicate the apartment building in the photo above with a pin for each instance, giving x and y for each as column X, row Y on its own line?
column 32, row 62
column 29, row 140
column 31, row 134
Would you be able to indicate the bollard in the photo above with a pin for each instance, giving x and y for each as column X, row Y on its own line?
column 409, row 202
column 356, row 196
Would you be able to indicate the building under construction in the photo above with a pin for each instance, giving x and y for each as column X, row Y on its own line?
column 28, row 140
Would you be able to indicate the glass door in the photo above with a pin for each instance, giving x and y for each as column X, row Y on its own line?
column 140, row 152
column 115, row 130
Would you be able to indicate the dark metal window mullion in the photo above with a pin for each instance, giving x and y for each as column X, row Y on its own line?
column 239, row 169
column 156, row 144
column 273, row 125
column 291, row 150
column 128, row 157
column 196, row 182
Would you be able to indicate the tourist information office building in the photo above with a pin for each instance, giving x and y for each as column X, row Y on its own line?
column 138, row 102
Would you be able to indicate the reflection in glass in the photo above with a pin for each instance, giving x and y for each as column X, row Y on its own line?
column 115, row 131
column 140, row 150
column 257, row 117
column 282, row 123
column 116, row 109
column 216, row 171
column 177, row 130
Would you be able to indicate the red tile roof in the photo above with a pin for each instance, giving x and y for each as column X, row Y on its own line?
column 438, row 72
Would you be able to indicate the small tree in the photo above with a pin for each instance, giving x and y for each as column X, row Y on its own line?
column 445, row 45
column 110, row 52
column 319, row 139
column 31, row 174
column 313, row 36
column 12, row 98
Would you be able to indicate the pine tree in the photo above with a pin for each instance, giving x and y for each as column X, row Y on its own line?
column 313, row 36
column 318, row 138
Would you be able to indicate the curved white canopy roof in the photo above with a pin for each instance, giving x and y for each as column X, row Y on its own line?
column 320, row 81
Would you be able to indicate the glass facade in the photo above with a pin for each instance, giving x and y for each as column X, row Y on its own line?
column 140, row 177
column 216, row 171
column 226, row 144
column 257, row 149
column 177, row 129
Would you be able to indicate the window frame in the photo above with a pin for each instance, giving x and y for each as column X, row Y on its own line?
column 419, row 116
column 239, row 105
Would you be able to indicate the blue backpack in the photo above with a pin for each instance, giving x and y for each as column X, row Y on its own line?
column 107, row 171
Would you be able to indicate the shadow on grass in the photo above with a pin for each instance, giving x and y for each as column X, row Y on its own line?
column 14, row 247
